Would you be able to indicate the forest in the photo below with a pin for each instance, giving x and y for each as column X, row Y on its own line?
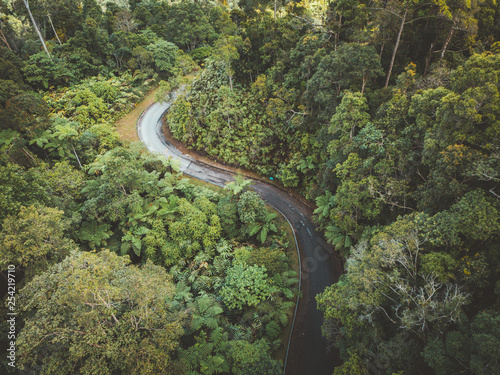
column 385, row 114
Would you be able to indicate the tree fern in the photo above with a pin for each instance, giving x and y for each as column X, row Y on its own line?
column 325, row 203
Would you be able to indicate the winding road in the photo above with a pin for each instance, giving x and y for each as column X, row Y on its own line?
column 308, row 353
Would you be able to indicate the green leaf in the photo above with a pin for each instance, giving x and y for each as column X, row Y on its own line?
column 136, row 245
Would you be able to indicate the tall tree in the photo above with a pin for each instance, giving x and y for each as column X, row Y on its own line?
column 37, row 29
column 34, row 239
column 96, row 313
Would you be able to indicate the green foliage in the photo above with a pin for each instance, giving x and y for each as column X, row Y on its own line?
column 471, row 347
column 164, row 55
column 238, row 186
column 19, row 187
column 248, row 358
column 353, row 366
column 43, row 71
column 119, row 181
column 26, row 113
column 274, row 259
column 188, row 25
column 34, row 239
column 235, row 130
column 64, row 184
column 95, row 100
column 392, row 283
column 251, row 208
column 404, row 177
column 262, row 229
column 95, row 312
column 246, row 286
column 228, row 214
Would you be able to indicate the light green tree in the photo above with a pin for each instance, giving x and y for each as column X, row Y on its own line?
column 246, row 286
column 98, row 313
column 34, row 239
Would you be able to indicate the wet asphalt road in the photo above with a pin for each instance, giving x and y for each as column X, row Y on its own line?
column 308, row 353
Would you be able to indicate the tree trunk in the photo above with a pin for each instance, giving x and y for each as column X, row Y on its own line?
column 448, row 39
column 26, row 3
column 54, row 30
column 337, row 34
column 4, row 39
column 230, row 76
column 428, row 58
column 396, row 46
column 77, row 158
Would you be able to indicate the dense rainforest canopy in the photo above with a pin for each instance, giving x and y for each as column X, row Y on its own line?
column 386, row 114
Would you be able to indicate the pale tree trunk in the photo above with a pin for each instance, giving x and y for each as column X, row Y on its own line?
column 396, row 46
column 4, row 39
column 448, row 39
column 230, row 75
column 77, row 158
column 26, row 3
column 382, row 49
column 54, row 29
column 337, row 35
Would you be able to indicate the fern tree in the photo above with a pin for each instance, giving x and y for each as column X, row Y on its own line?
column 208, row 354
column 238, row 186
column 261, row 230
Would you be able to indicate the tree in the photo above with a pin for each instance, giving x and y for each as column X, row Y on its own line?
column 265, row 227
column 253, row 358
column 119, row 179
column 188, row 25
column 27, row 5
column 228, row 214
column 226, row 50
column 352, row 66
column 208, row 355
column 60, row 139
column 27, row 113
column 398, row 39
column 251, row 208
column 34, row 239
column 350, row 117
column 355, row 63
column 97, row 313
column 19, row 187
column 164, row 55
column 387, row 296
column 461, row 14
column 43, row 71
column 238, row 186
column 472, row 347
column 246, row 286
column 407, row 12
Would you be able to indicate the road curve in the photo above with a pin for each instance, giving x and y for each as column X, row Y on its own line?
column 308, row 352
